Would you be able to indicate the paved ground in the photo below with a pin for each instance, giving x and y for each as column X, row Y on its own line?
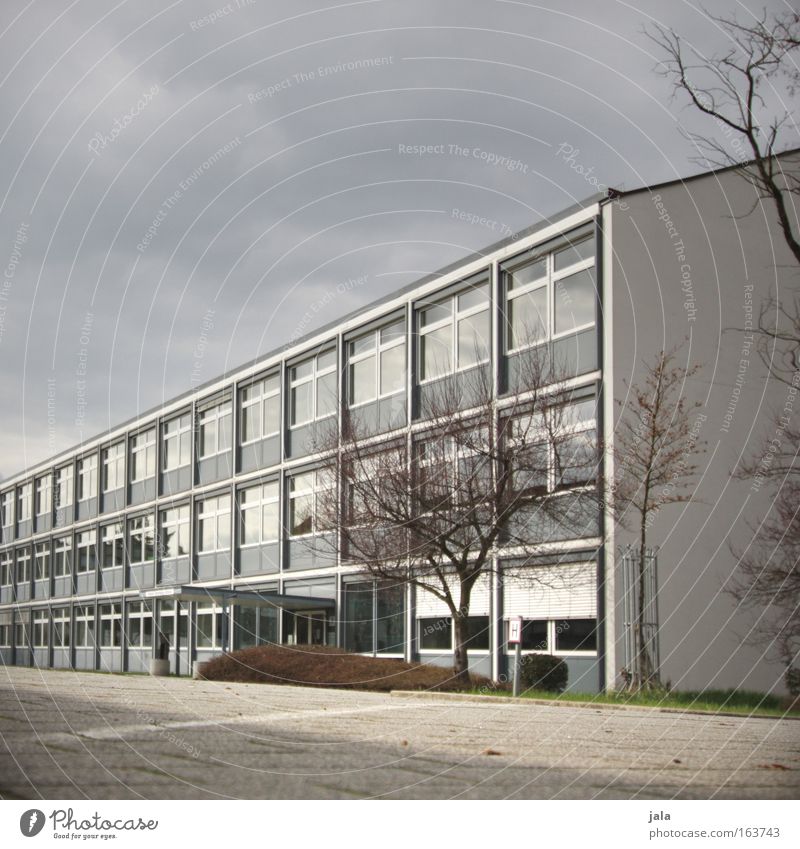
column 74, row 735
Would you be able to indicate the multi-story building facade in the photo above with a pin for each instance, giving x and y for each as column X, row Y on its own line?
column 191, row 529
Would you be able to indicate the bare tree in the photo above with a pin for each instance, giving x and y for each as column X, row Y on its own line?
column 744, row 91
column 655, row 445
column 433, row 506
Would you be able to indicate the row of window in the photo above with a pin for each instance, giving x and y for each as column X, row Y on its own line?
column 547, row 295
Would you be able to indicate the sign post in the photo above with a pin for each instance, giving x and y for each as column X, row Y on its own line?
column 515, row 639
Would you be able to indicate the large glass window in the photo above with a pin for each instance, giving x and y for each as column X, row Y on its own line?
column 312, row 389
column 86, row 545
column 259, row 512
column 23, row 566
column 63, row 487
column 377, row 364
column 143, row 455
column 141, row 539
column 44, row 502
column 41, row 629
column 87, row 477
column 110, row 626
column 208, row 625
column 176, row 443
column 61, row 623
column 175, row 528
column 140, row 625
column 41, row 567
column 307, row 509
column 455, row 332
column 7, row 508
column 552, row 295
column 112, row 546
column 214, row 524
column 24, row 502
column 6, row 569
column 576, row 635
column 436, row 633
column 214, row 430
column 260, row 410
column 114, row 467
column 84, row 626
column 62, row 552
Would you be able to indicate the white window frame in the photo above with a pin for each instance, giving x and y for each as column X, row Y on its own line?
column 110, row 612
column 313, row 377
column 182, row 435
column 378, row 348
column 6, row 568
column 550, row 281
column 114, row 458
column 25, row 502
column 143, row 443
column 87, row 470
column 268, row 493
column 216, row 413
column 183, row 516
column 313, row 490
column 86, row 540
column 62, row 547
column 63, row 487
column 112, row 532
column 456, row 316
column 139, row 611
column 44, row 495
column 41, row 629
column 138, row 526
column 41, row 551
column 209, row 608
column 211, row 509
column 261, row 398
column 7, row 507
column 22, row 557
column 85, row 625
column 61, row 628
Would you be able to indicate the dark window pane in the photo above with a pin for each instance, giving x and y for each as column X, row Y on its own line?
column 435, row 633
column 390, row 624
column 534, row 635
column 576, row 635
column 478, row 632
column 358, row 616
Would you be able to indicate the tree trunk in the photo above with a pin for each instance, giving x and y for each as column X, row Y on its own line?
column 460, row 659
column 643, row 674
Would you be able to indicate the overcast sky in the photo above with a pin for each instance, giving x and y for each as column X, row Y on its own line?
column 199, row 175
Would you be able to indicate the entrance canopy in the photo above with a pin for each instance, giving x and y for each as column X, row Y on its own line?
column 243, row 598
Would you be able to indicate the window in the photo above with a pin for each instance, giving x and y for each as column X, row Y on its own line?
column 114, row 467
column 436, row 633
column 7, row 508
column 6, row 569
column 5, row 630
column 112, row 546
column 208, row 621
column 140, row 625
column 214, row 425
column 260, row 411
column 86, row 545
column 141, row 539
column 24, row 498
column 214, row 524
column 174, row 537
column 259, row 514
column 455, row 332
column 87, row 477
column 110, row 626
column 84, row 627
column 534, row 635
column 576, row 635
column 43, row 495
column 306, row 509
column 552, row 295
column 61, row 622
column 176, row 443
column 41, row 566
column 62, row 549
column 455, row 468
column 41, row 629
column 21, row 628
column 143, row 455
column 63, row 487
column 312, row 389
column 23, row 566
column 377, row 364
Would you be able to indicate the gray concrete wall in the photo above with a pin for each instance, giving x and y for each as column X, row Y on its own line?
column 663, row 294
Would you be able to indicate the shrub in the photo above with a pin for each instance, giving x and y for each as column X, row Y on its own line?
column 792, row 679
column 544, row 672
